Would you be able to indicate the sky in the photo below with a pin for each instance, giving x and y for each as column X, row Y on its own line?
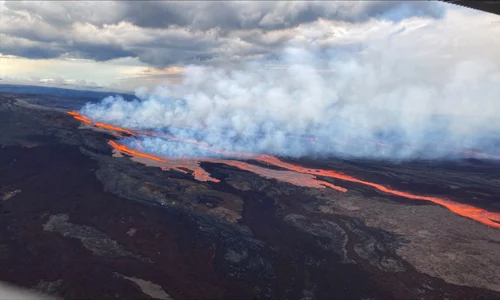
column 126, row 45
column 421, row 75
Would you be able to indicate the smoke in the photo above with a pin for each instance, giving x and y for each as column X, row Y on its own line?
column 414, row 89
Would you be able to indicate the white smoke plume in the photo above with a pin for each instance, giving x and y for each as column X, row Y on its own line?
column 429, row 88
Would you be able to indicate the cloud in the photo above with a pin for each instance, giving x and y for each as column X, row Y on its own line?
column 165, row 33
column 269, row 15
column 126, row 73
column 63, row 14
column 404, row 85
column 26, row 48
column 98, row 52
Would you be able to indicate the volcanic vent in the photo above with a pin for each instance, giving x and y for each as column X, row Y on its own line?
column 276, row 168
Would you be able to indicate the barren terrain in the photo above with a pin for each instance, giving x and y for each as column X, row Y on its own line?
column 81, row 223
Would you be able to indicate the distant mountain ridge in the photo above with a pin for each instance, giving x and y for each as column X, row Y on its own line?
column 60, row 92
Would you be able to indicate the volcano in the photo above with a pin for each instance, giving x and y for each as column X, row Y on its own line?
column 88, row 212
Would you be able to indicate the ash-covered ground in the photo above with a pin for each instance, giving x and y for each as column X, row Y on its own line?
column 78, row 223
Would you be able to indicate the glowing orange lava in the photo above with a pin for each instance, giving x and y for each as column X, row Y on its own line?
column 469, row 211
column 202, row 175
column 198, row 143
column 177, row 165
column 295, row 178
column 296, row 174
column 113, row 128
column 117, row 130
column 125, row 149
column 79, row 117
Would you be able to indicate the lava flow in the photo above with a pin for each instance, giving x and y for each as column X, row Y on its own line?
column 293, row 177
column 79, row 117
column 126, row 150
column 293, row 174
column 469, row 211
column 113, row 128
column 299, row 179
column 166, row 164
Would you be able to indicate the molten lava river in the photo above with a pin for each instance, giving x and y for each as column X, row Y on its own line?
column 291, row 173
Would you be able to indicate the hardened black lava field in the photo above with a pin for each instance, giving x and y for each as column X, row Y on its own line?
column 81, row 222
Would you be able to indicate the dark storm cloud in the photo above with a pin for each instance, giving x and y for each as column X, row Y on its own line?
column 39, row 50
column 26, row 48
column 163, row 33
column 156, row 14
column 268, row 15
column 99, row 52
column 31, row 52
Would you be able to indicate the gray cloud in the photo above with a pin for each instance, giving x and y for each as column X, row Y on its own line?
column 269, row 15
column 65, row 13
column 99, row 52
column 163, row 33
column 26, row 48
column 39, row 50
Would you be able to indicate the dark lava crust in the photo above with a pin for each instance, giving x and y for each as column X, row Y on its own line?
column 78, row 223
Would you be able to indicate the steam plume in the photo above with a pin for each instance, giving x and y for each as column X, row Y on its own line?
column 397, row 95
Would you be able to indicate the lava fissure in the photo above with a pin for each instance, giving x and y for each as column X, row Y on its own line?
column 292, row 173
